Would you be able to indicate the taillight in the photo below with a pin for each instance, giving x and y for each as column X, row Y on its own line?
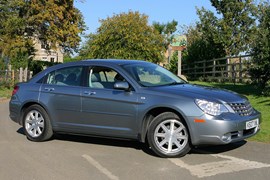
column 15, row 90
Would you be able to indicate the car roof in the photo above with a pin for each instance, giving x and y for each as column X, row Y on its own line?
column 95, row 62
column 115, row 61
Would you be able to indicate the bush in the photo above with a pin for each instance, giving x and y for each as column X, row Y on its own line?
column 6, row 84
column 260, row 48
column 2, row 64
column 37, row 66
column 173, row 65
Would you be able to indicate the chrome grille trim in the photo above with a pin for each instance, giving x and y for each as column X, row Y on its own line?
column 243, row 109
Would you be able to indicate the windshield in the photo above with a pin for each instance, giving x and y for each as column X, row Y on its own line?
column 148, row 75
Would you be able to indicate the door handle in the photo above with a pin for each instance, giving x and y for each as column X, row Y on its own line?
column 90, row 92
column 49, row 89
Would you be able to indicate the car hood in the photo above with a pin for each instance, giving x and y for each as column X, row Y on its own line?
column 201, row 92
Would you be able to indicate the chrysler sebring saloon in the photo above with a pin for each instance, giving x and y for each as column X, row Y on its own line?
column 130, row 99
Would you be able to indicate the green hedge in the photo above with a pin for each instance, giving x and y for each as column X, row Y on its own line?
column 37, row 66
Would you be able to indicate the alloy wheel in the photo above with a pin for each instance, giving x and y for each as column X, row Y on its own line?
column 34, row 123
column 170, row 136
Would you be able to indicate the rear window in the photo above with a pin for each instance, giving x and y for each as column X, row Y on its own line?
column 70, row 76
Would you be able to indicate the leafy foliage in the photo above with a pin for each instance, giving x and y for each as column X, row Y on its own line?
column 2, row 64
column 56, row 23
column 38, row 66
column 166, row 30
column 68, row 58
column 260, row 70
column 233, row 27
column 125, row 36
column 228, row 32
column 201, row 45
column 173, row 65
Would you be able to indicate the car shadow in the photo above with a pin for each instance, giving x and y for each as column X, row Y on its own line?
column 21, row 131
column 105, row 141
column 217, row 148
column 138, row 145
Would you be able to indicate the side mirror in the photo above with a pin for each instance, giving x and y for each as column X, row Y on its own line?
column 121, row 85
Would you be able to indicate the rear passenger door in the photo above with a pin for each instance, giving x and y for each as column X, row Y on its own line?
column 61, row 94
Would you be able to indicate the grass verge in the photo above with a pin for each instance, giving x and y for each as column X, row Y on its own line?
column 5, row 92
column 259, row 102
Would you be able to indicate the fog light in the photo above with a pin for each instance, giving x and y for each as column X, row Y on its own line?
column 226, row 137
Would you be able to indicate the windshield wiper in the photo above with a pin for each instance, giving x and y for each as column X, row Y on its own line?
column 175, row 83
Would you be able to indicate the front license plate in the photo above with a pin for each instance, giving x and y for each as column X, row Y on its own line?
column 252, row 124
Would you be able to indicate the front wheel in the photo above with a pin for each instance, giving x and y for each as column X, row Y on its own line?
column 36, row 124
column 168, row 136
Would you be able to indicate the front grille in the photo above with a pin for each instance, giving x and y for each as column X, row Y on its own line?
column 243, row 109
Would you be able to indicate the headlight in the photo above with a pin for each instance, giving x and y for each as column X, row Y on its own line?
column 211, row 108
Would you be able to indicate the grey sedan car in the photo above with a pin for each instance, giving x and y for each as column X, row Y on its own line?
column 130, row 99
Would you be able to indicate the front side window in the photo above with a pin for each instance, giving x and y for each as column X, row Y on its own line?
column 148, row 74
column 70, row 76
column 103, row 77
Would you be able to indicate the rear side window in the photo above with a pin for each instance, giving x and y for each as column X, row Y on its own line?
column 70, row 76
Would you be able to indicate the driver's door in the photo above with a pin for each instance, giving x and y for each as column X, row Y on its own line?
column 108, row 111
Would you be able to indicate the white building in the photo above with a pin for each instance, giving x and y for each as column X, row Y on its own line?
column 42, row 54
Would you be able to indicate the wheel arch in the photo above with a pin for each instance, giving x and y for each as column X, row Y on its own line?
column 28, row 104
column 151, row 114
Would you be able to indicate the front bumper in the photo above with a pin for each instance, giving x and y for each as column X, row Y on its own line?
column 224, row 129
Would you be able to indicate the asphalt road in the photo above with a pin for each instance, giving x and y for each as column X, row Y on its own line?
column 76, row 157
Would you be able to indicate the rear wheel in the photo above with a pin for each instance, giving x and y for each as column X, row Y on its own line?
column 168, row 136
column 36, row 124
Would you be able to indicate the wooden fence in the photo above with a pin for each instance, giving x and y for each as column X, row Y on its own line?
column 14, row 76
column 228, row 69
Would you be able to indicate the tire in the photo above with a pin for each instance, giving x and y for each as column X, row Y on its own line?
column 168, row 136
column 37, row 124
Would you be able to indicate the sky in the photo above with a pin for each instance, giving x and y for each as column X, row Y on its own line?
column 162, row 11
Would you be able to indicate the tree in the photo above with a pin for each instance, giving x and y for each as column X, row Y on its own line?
column 125, row 36
column 85, row 50
column 201, row 45
column 55, row 23
column 69, row 58
column 233, row 27
column 12, row 42
column 2, row 64
column 260, row 70
column 166, row 30
column 173, row 65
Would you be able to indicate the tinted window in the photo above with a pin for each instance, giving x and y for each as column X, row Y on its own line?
column 70, row 76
